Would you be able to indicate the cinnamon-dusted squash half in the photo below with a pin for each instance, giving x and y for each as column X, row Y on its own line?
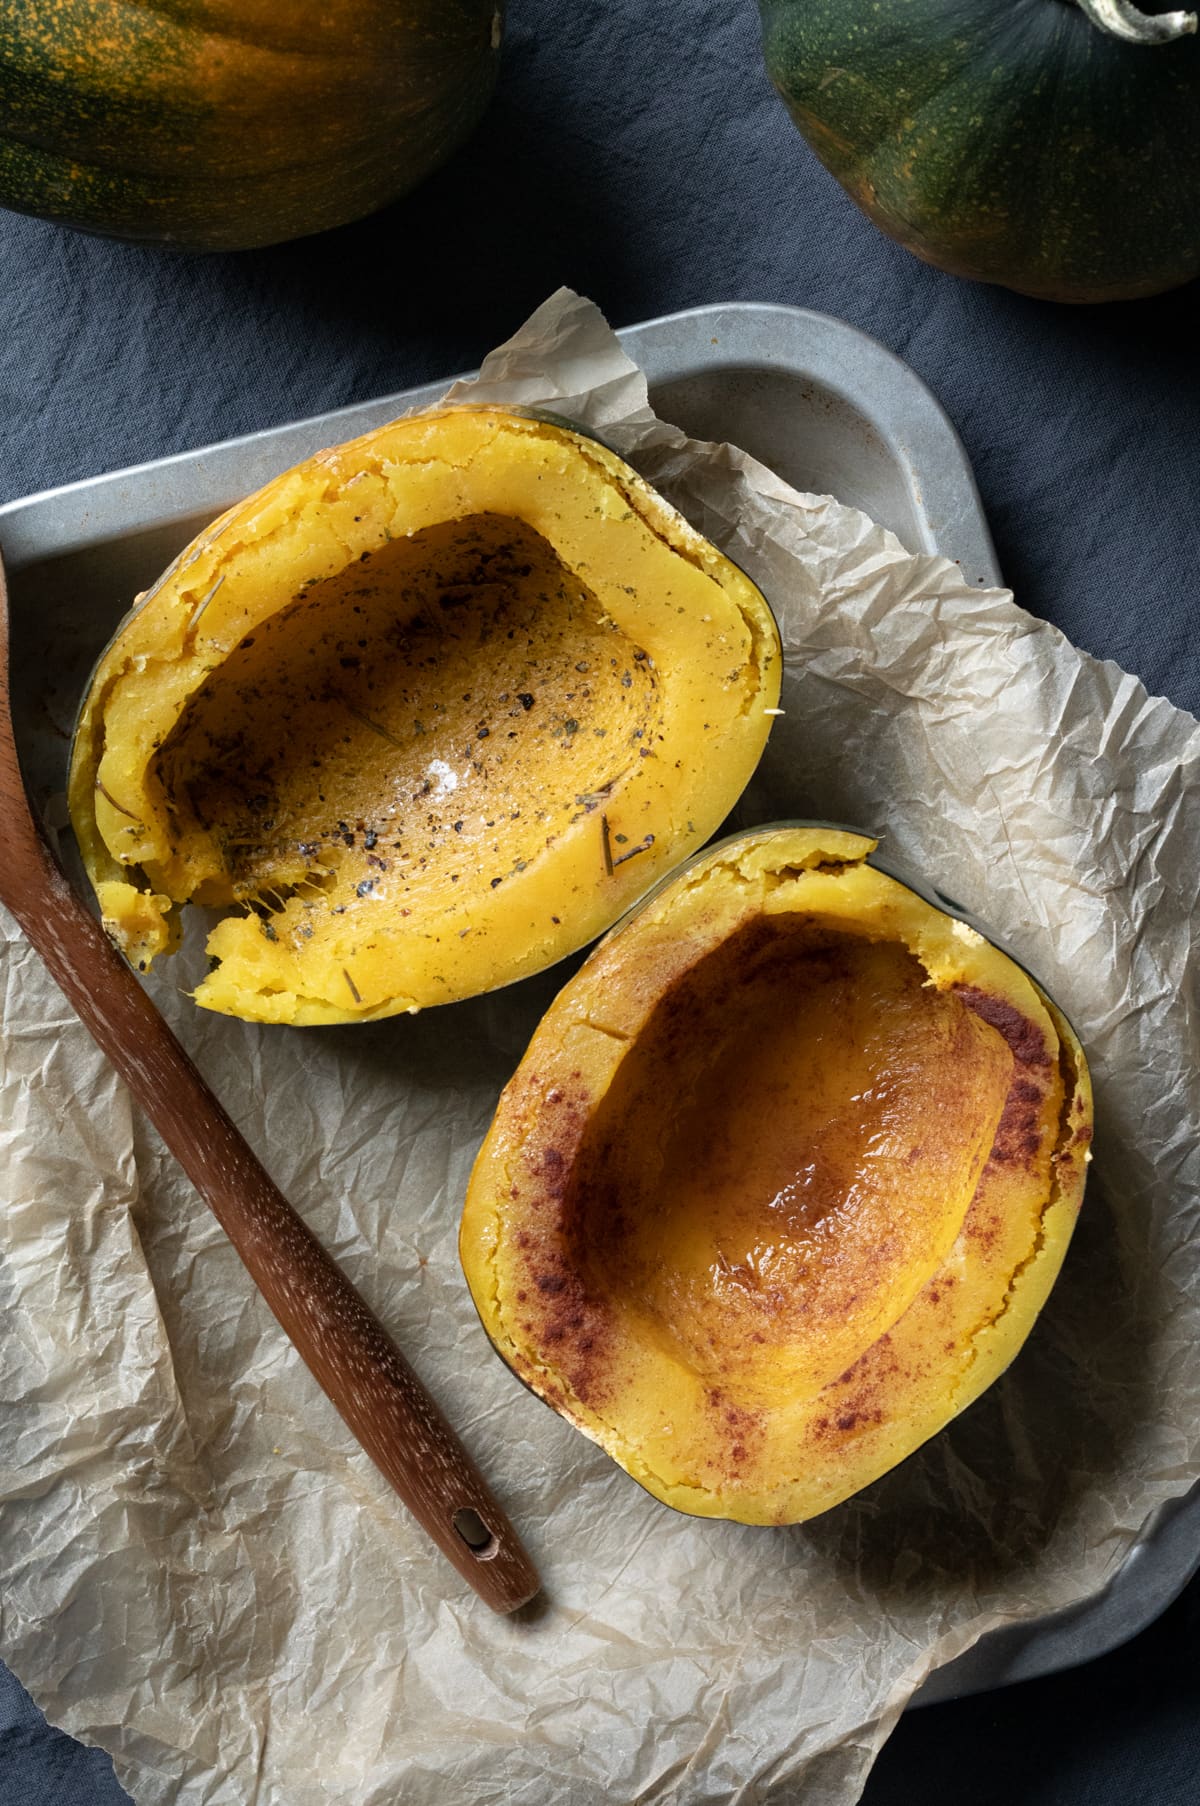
column 423, row 715
column 782, row 1182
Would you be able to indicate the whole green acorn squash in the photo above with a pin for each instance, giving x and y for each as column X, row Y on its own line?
column 222, row 124
column 1049, row 146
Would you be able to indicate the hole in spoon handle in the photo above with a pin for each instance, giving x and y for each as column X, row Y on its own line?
column 480, row 1539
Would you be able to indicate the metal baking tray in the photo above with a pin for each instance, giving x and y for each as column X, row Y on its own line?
column 830, row 411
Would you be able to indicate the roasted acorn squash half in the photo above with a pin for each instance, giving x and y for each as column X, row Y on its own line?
column 783, row 1180
column 423, row 715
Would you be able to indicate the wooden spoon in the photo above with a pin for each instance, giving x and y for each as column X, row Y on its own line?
column 344, row 1345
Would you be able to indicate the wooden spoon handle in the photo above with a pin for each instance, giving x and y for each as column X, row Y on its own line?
column 345, row 1346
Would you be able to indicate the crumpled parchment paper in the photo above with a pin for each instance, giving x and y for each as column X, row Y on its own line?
column 203, row 1574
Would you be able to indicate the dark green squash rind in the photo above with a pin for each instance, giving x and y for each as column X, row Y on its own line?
column 211, row 133
column 1016, row 144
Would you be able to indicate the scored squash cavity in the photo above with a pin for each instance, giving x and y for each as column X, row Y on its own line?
column 782, row 1182
column 425, row 714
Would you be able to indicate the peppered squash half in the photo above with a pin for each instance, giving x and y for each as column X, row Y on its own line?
column 422, row 716
column 782, row 1182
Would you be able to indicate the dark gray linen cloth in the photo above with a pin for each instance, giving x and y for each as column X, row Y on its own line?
column 638, row 154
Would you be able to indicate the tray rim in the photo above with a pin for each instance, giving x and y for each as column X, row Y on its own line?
column 733, row 336
column 736, row 335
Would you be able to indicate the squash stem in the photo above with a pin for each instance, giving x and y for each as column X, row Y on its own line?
column 1122, row 19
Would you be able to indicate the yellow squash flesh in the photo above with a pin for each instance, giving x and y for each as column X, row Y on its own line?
column 423, row 715
column 782, row 1182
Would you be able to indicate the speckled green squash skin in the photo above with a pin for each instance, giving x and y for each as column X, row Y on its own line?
column 223, row 124
column 1008, row 140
